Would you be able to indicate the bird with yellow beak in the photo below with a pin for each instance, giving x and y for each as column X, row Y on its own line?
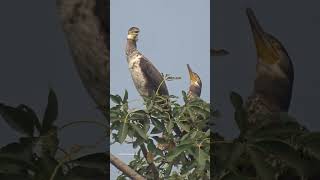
column 195, row 84
column 274, row 73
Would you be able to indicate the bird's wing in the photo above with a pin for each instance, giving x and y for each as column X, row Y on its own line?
column 153, row 76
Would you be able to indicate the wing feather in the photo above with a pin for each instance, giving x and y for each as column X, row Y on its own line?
column 153, row 76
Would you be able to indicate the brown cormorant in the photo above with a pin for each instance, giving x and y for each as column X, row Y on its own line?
column 146, row 77
column 195, row 84
column 274, row 74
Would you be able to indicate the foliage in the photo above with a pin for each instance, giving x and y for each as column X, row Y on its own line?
column 175, row 156
column 36, row 156
column 277, row 147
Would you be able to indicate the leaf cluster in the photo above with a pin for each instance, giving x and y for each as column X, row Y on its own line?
column 175, row 155
column 277, row 147
column 35, row 156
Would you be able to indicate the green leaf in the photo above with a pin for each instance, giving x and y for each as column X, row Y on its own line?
column 95, row 161
column 51, row 112
column 116, row 99
column 17, row 155
column 138, row 142
column 19, row 118
column 240, row 116
column 277, row 128
column 32, row 115
column 237, row 150
column 201, row 157
column 236, row 100
column 285, row 152
column 123, row 132
column 139, row 131
column 167, row 170
column 45, row 168
column 15, row 176
column 151, row 146
column 125, row 97
column 311, row 143
column 233, row 176
column 169, row 126
column 263, row 169
column 177, row 151
column 155, row 130
column 186, row 127
column 84, row 173
column 158, row 124
column 185, row 97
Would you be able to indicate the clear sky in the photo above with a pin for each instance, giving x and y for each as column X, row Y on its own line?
column 295, row 24
column 172, row 34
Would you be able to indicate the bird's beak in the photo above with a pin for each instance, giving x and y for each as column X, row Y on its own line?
column 266, row 52
column 191, row 74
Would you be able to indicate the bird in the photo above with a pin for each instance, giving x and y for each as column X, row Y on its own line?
column 274, row 74
column 146, row 77
column 218, row 52
column 195, row 84
column 194, row 91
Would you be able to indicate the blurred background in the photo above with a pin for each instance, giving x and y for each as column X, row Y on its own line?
column 35, row 57
column 295, row 24
column 172, row 34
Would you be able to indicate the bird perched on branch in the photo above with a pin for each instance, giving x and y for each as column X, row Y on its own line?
column 274, row 73
column 195, row 84
column 195, row 90
column 146, row 77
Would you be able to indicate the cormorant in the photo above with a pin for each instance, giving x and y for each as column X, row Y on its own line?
column 274, row 74
column 146, row 77
column 195, row 84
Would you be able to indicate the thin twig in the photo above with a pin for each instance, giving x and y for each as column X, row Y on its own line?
column 151, row 164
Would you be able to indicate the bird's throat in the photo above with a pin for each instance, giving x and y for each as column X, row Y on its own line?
column 131, row 46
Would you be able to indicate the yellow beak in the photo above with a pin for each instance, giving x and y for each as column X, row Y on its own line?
column 191, row 74
column 265, row 50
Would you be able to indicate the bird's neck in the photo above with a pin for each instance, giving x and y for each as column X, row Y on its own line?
column 131, row 46
column 194, row 91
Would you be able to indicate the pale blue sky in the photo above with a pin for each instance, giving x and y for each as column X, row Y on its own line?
column 172, row 34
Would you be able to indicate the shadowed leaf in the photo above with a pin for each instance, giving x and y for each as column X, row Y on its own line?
column 19, row 118
column 51, row 112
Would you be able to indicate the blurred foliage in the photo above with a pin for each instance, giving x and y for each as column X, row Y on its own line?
column 175, row 157
column 277, row 147
column 36, row 156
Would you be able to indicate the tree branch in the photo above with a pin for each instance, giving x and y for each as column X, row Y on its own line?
column 125, row 168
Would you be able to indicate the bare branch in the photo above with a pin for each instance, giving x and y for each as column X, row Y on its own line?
column 125, row 168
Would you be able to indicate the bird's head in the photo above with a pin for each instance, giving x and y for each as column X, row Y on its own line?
column 133, row 33
column 274, row 70
column 269, row 49
column 194, row 78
